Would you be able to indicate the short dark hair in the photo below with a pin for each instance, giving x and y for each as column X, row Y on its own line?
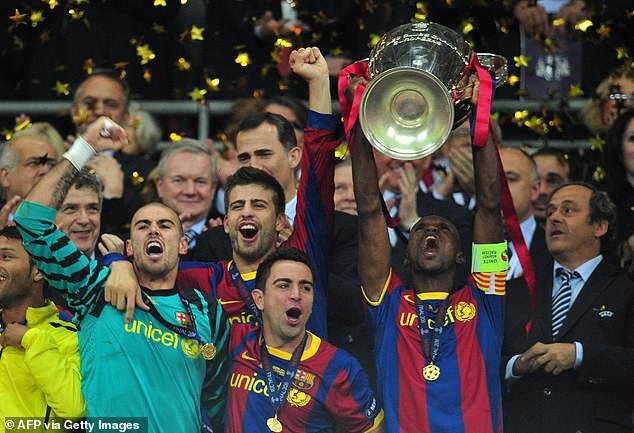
column 12, row 232
column 293, row 104
column 560, row 156
column 255, row 176
column 615, row 182
column 109, row 74
column 282, row 253
column 86, row 179
column 601, row 209
column 285, row 132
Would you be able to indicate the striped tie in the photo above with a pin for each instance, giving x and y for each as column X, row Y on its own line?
column 191, row 234
column 561, row 301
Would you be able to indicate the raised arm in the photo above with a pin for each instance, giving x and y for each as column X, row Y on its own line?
column 311, row 65
column 487, row 226
column 374, row 243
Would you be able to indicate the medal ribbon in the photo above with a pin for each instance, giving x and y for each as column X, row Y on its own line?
column 431, row 343
column 190, row 333
column 278, row 395
column 244, row 293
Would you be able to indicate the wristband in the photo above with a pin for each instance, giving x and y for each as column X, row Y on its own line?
column 490, row 257
column 79, row 153
column 109, row 258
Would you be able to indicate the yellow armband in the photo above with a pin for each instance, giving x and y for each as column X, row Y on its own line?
column 490, row 257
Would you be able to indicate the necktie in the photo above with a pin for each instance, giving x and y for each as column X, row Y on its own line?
column 190, row 234
column 561, row 301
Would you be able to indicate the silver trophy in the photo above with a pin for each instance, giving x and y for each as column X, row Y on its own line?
column 413, row 101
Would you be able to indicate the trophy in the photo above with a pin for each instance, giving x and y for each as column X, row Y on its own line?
column 418, row 73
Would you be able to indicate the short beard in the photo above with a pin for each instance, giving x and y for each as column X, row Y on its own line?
column 254, row 255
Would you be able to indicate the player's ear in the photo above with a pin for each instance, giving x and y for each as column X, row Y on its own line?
column 460, row 258
column 258, row 297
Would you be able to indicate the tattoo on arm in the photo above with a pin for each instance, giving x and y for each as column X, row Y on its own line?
column 61, row 188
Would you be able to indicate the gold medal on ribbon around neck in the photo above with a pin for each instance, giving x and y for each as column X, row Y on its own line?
column 431, row 372
column 208, row 351
column 274, row 424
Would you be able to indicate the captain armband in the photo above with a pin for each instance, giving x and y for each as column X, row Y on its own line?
column 110, row 258
column 490, row 257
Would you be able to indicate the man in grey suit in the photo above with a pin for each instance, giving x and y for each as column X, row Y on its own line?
column 574, row 371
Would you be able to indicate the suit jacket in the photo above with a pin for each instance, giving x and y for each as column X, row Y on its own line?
column 597, row 396
column 460, row 216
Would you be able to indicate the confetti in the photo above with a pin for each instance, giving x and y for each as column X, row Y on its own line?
column 175, row 137
column 18, row 18
column 183, row 64
column 197, row 94
column 61, row 88
column 145, row 53
column 575, row 90
column 243, row 59
column 36, row 18
column 213, row 84
column 584, row 25
column 521, row 61
column 196, row 33
column 160, row 3
column 89, row 65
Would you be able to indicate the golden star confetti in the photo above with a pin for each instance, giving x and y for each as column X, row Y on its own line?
column 213, row 84
column 599, row 174
column 196, row 33
column 621, row 53
column 467, row 28
column 8, row 133
column 513, row 80
column 22, row 125
column 584, row 25
column 18, row 18
column 183, row 64
column 51, row 3
column 283, row 43
column 603, row 31
column 243, row 59
column 81, row 117
column 197, row 94
column 596, row 143
column 183, row 2
column 36, row 18
column 89, row 65
column 341, row 151
column 374, row 39
column 137, row 179
column 519, row 117
column 521, row 61
column 145, row 53
column 61, row 88
column 575, row 90
column 158, row 28
column 421, row 13
column 558, row 22
column 175, row 137
column 75, row 14
column 160, row 3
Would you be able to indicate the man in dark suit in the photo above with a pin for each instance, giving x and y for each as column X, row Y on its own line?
column 573, row 372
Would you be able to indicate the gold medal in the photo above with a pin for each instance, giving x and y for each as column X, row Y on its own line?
column 431, row 372
column 274, row 424
column 208, row 351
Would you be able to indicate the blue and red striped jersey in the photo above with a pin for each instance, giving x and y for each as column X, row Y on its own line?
column 466, row 398
column 312, row 231
column 329, row 388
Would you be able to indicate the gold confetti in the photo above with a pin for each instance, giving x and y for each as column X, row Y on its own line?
column 374, row 39
column 81, row 117
column 243, row 59
column 183, row 2
column 621, row 53
column 137, row 179
column 197, row 94
column 145, row 53
column 558, row 22
column 283, row 43
column 158, row 28
column 341, row 151
column 584, row 25
column 183, row 64
column 599, row 174
column 175, row 137
column 196, row 33
column 160, row 3
column 51, row 3
column 467, row 28
column 120, row 65
column 513, row 80
column 147, row 75
column 18, row 18
column 213, row 84
column 603, row 31
column 36, row 18
column 75, row 14
column 596, row 143
column 8, row 133
column 575, row 90
column 521, row 60
column 89, row 64
column 22, row 125
column 61, row 88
